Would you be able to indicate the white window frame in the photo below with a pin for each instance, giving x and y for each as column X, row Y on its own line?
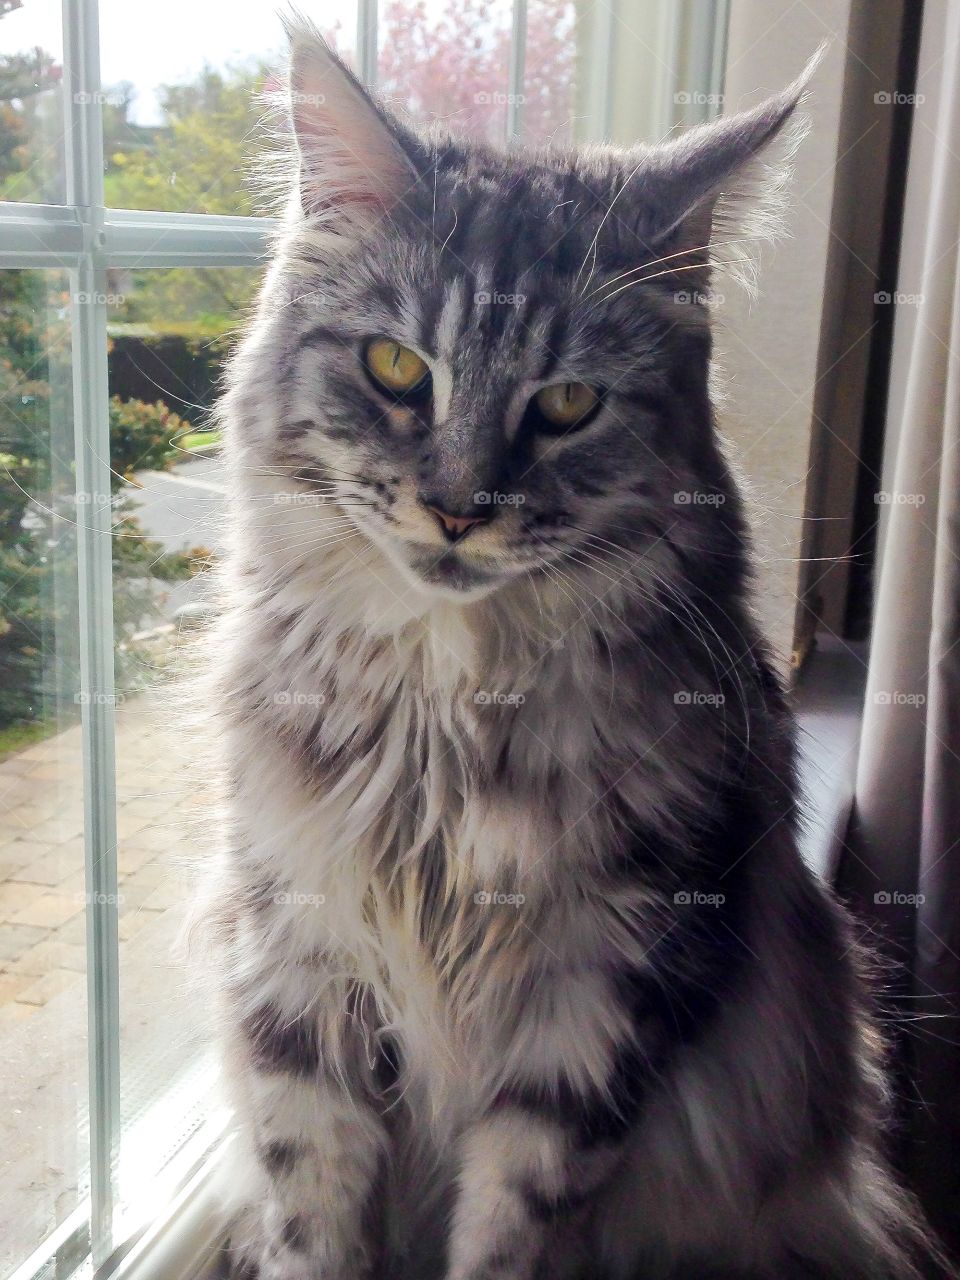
column 85, row 239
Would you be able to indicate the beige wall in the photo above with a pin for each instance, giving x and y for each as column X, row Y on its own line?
column 786, row 398
column 768, row 349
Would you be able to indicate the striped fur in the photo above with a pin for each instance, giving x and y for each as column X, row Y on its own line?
column 520, row 972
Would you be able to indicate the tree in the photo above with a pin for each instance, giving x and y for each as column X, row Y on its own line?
column 194, row 163
column 31, row 150
column 448, row 63
column 453, row 67
column 39, row 512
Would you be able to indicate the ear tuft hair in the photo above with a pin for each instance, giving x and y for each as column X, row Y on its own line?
column 353, row 166
column 723, row 184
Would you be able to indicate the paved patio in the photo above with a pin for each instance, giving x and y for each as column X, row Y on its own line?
column 43, row 1076
column 42, row 894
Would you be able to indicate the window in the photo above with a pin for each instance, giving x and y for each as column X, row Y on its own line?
column 129, row 247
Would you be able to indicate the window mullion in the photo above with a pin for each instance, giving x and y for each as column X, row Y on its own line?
column 58, row 236
column 135, row 239
column 518, row 59
column 38, row 236
column 83, row 132
column 599, row 23
column 367, row 34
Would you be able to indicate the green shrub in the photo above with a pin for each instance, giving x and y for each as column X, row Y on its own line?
column 39, row 643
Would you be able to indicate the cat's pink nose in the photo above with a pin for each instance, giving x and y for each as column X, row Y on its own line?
column 455, row 526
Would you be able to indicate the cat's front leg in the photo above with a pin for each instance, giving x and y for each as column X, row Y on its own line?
column 524, row 1175
column 317, row 1143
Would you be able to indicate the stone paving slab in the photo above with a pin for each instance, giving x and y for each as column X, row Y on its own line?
column 43, row 1069
column 42, row 884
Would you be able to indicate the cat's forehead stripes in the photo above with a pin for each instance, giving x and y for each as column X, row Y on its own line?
column 514, row 217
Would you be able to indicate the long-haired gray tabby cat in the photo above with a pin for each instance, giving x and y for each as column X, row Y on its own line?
column 522, row 974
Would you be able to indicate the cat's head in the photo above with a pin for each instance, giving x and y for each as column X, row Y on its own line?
column 496, row 360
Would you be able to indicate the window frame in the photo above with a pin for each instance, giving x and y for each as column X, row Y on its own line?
column 85, row 238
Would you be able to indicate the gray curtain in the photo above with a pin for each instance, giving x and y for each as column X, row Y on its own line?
column 902, row 864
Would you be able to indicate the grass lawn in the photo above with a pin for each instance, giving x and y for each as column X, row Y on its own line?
column 198, row 440
column 17, row 737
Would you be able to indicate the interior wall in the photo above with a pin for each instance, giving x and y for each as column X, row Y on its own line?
column 855, row 343
column 768, row 348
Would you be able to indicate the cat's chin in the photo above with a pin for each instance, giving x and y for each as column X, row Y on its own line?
column 444, row 575
column 450, row 576
column 440, row 573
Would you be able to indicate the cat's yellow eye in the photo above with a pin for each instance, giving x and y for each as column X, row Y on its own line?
column 396, row 368
column 565, row 404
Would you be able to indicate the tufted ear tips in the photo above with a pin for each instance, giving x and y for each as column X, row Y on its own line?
column 727, row 179
column 352, row 162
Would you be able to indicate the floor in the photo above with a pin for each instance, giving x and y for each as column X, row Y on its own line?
column 42, row 895
column 164, row 1066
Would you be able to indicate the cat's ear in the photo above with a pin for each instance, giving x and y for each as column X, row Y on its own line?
column 718, row 189
column 352, row 163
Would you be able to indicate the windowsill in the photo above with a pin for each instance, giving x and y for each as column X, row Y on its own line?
column 169, row 1104
column 829, row 704
column 828, row 700
column 186, row 1240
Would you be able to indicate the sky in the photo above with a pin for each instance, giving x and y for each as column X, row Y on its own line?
column 154, row 42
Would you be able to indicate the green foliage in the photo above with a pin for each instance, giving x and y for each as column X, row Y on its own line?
column 194, row 164
column 182, row 365
column 140, row 435
column 31, row 148
column 39, row 511
column 39, row 514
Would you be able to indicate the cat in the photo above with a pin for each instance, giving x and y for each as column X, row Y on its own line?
column 519, row 970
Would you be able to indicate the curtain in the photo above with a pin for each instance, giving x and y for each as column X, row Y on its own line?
column 902, row 863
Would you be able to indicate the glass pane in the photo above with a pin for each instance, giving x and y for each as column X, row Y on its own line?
column 168, row 333
column 43, row 1071
column 447, row 62
column 552, row 65
column 645, row 68
column 179, row 117
column 31, row 105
